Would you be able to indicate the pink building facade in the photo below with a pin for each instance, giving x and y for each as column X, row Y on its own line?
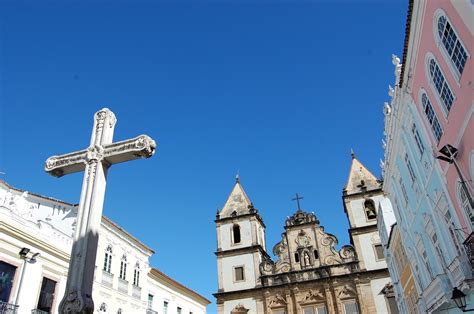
column 443, row 77
column 428, row 165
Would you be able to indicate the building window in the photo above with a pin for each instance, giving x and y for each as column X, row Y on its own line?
column 404, row 191
column 123, row 267
column 136, row 275
column 452, row 232
column 178, row 310
column 119, row 311
column 424, row 256
column 150, row 301
column 451, row 43
column 350, row 307
column 316, row 254
column 379, row 254
column 236, row 233
column 108, row 259
column 297, row 257
column 464, row 201
column 46, row 298
column 417, row 137
column 410, row 168
column 431, row 117
column 165, row 307
column 239, row 273
column 315, row 309
column 441, row 86
column 278, row 311
column 369, row 207
column 7, row 273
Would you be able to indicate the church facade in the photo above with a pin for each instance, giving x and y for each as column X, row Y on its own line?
column 309, row 274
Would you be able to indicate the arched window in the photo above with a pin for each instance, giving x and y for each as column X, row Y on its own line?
column 136, row 275
column 236, row 233
column 369, row 207
column 451, row 43
column 123, row 267
column 108, row 259
column 440, row 84
column 431, row 117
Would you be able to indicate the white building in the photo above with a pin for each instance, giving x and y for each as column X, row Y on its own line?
column 35, row 244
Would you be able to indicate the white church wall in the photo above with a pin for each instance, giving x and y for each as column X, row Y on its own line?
column 245, row 234
column 367, row 243
column 228, row 264
column 357, row 211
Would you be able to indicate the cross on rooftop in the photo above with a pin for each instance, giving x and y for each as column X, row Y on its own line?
column 297, row 199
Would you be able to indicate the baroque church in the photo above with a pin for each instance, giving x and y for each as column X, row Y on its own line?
column 309, row 274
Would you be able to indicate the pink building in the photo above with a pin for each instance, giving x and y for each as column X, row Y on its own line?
column 442, row 85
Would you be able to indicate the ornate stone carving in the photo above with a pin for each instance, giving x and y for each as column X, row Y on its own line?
column 277, row 300
column 346, row 292
column 239, row 309
column 313, row 296
column 76, row 302
column 300, row 218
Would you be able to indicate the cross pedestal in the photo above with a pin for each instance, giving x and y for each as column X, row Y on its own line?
column 94, row 161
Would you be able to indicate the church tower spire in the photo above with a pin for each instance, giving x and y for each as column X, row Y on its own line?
column 240, row 247
column 362, row 195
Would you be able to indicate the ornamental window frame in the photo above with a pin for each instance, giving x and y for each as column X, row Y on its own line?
column 445, row 88
column 431, row 117
column 123, row 267
column 136, row 275
column 441, row 45
column 418, row 140
column 108, row 259
column 463, row 202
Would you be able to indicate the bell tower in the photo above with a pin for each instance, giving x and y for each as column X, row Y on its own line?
column 240, row 249
column 361, row 197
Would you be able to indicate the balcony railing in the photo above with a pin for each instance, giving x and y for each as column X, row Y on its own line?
column 36, row 311
column 8, row 308
column 123, row 285
column 107, row 278
column 136, row 292
column 150, row 311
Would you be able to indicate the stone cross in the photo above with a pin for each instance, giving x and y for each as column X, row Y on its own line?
column 94, row 161
column 297, row 199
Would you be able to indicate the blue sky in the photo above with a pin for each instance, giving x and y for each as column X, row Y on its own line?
column 279, row 91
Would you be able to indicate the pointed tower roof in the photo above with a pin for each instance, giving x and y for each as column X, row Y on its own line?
column 237, row 202
column 360, row 178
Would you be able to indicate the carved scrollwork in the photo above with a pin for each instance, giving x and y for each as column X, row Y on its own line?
column 75, row 302
column 347, row 252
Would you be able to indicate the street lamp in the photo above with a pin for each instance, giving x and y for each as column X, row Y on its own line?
column 449, row 154
column 460, row 299
column 24, row 252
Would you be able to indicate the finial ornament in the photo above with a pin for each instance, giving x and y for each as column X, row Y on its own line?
column 237, row 178
column 353, row 155
column 390, row 90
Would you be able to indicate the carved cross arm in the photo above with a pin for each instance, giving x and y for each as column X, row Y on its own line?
column 141, row 146
column 58, row 166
